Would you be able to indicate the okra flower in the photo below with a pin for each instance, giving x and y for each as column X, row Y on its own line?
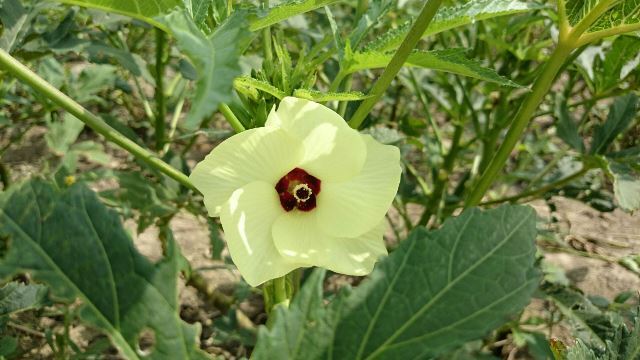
column 305, row 190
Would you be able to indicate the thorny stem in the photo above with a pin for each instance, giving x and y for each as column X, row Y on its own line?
column 408, row 44
column 23, row 73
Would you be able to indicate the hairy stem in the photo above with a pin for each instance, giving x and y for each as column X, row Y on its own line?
column 23, row 73
column 408, row 44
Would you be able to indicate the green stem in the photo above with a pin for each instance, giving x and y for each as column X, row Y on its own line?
column 533, row 193
column 231, row 118
column 280, row 292
column 23, row 73
column 520, row 122
column 159, row 93
column 398, row 60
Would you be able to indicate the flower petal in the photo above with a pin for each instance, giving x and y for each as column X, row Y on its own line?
column 333, row 150
column 356, row 206
column 247, row 219
column 298, row 237
column 264, row 154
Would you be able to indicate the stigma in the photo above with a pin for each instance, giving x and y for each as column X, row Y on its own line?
column 298, row 190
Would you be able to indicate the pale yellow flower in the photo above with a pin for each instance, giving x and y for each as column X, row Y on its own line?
column 305, row 190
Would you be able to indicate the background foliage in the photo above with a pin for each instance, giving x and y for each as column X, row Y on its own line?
column 167, row 80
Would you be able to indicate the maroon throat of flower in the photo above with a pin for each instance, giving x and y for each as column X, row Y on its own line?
column 298, row 189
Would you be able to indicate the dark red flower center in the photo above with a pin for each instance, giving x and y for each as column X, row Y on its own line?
column 298, row 189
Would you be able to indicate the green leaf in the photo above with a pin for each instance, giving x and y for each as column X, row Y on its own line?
column 376, row 10
column 248, row 86
column 622, row 12
column 416, row 304
column 62, row 134
column 144, row 10
column 306, row 329
column 451, row 17
column 318, row 96
column 72, row 242
column 626, row 185
column 621, row 114
column 566, row 127
column 623, row 51
column 14, row 20
column 286, row 10
column 216, row 58
column 8, row 345
column 449, row 60
column 16, row 297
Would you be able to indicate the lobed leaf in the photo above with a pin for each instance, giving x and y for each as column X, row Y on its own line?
column 215, row 57
column 449, row 60
column 437, row 290
column 451, row 17
column 72, row 242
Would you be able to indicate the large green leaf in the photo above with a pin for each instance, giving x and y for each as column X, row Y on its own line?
column 451, row 17
column 437, row 290
column 16, row 297
column 621, row 114
column 215, row 57
column 286, row 10
column 72, row 242
column 450, row 60
column 144, row 10
column 621, row 12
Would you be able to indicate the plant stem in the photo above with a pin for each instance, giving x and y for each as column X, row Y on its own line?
column 520, row 122
column 23, row 73
column 398, row 60
column 598, row 35
column 159, row 93
column 231, row 118
column 539, row 191
column 280, row 292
